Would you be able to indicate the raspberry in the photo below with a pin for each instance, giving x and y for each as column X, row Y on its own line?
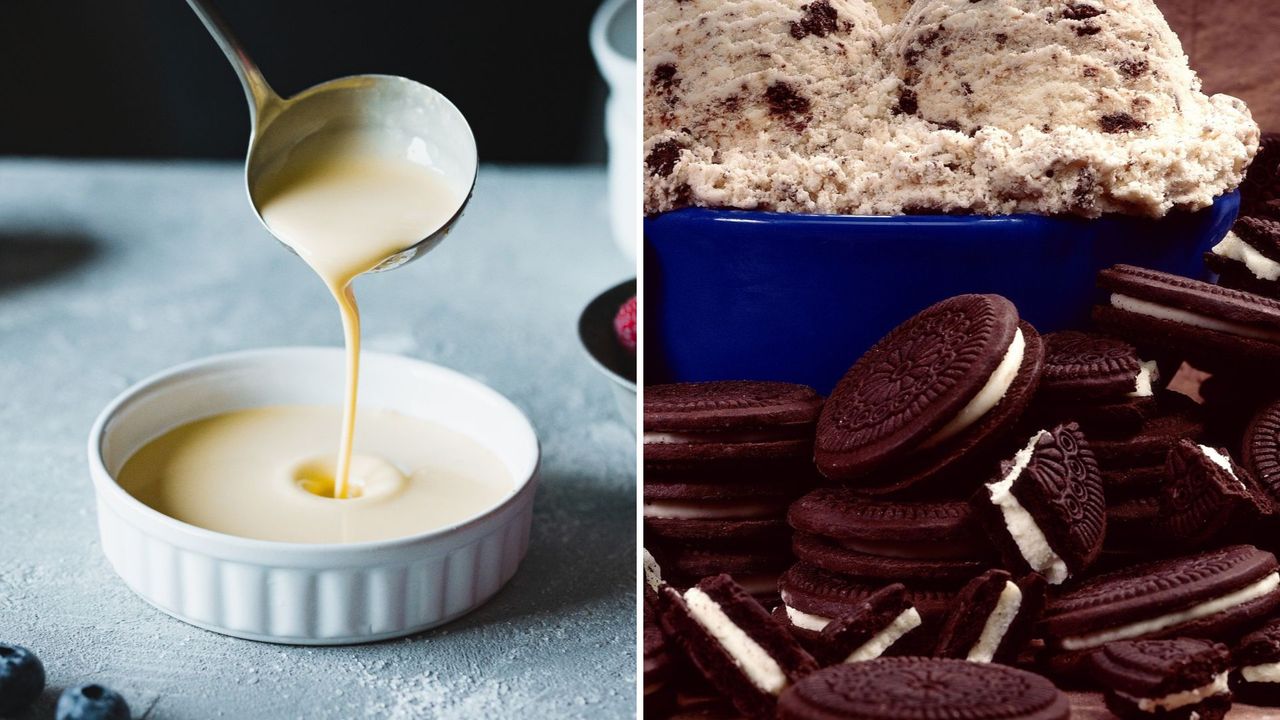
column 624, row 325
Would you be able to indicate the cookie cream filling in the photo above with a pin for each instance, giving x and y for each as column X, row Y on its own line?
column 652, row 573
column 1233, row 247
column 997, row 625
column 1266, row 672
column 1182, row 699
column 989, row 396
column 755, row 662
column 1142, row 383
column 709, row 510
column 806, row 621
column 1029, row 538
column 1249, row 593
column 906, row 621
column 1163, row 312
column 1223, row 462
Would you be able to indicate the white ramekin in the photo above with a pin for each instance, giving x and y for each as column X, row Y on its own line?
column 613, row 42
column 311, row 594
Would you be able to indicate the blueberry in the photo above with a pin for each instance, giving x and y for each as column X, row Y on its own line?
column 21, row 678
column 92, row 702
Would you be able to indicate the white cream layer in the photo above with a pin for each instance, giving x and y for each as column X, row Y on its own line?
column 1029, row 538
column 1266, row 672
column 989, row 396
column 1163, row 312
column 997, row 625
column 907, row 621
column 1246, row 594
column 1233, row 247
column 1223, row 462
column 755, row 662
column 1180, row 699
column 807, row 621
column 709, row 510
column 1142, row 383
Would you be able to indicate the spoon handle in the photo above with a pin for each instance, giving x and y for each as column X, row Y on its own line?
column 259, row 94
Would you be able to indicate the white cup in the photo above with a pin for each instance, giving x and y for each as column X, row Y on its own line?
column 613, row 42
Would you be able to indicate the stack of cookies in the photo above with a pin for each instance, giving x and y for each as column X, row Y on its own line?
column 1248, row 258
column 723, row 461
column 971, row 476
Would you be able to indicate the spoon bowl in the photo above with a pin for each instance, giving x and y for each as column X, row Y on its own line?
column 414, row 121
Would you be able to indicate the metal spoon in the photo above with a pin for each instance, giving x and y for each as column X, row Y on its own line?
column 441, row 136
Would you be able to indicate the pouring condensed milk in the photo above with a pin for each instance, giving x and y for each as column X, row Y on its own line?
column 350, row 190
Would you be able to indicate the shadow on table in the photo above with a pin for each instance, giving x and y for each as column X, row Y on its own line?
column 582, row 550
column 31, row 257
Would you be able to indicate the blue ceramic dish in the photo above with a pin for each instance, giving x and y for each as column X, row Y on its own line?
column 731, row 294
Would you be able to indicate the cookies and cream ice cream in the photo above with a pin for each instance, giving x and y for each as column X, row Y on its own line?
column 884, row 107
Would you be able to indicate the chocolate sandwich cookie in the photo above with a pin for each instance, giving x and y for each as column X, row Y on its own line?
column 1045, row 511
column 1262, row 447
column 1262, row 180
column 943, row 385
column 1256, row 677
column 878, row 625
column 813, row 598
column 1177, row 417
column 657, row 663
column 724, row 421
column 1213, row 327
column 1177, row 679
column 1135, row 532
column 1206, row 495
column 734, row 643
column 1248, row 258
column 914, row 688
column 1082, row 367
column 1216, row 595
column 993, row 618
column 716, row 512
column 840, row 531
column 756, row 569
column 1109, row 420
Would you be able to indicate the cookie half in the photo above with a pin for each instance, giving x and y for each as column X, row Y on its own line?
column 1262, row 447
column 1207, row 495
column 1046, row 511
column 1177, row 679
column 734, row 643
column 892, row 689
column 875, row 627
column 993, row 618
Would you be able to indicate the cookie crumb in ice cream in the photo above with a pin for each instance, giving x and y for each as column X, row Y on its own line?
column 786, row 102
column 662, row 159
column 819, row 19
column 1120, row 122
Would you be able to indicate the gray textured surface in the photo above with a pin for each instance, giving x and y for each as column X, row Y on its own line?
column 109, row 272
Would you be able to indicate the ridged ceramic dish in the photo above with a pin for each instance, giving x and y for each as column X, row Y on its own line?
column 311, row 594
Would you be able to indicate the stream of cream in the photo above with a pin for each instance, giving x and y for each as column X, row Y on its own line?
column 344, row 201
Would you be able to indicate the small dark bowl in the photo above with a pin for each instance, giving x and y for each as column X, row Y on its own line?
column 731, row 294
column 595, row 329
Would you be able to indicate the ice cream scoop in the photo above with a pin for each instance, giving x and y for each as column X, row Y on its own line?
column 416, row 120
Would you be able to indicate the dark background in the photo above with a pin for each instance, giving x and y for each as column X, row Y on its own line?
column 141, row 78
